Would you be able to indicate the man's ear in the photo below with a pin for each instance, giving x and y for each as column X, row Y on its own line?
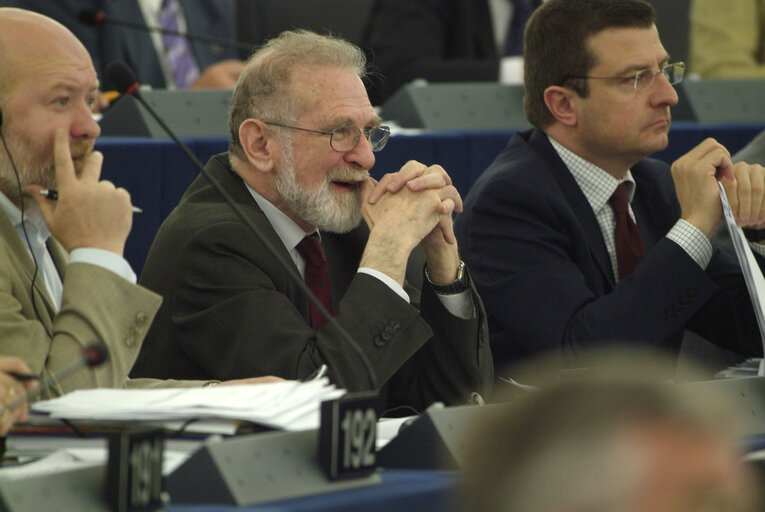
column 259, row 144
column 562, row 103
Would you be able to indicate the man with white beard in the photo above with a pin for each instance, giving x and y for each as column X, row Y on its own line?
column 302, row 137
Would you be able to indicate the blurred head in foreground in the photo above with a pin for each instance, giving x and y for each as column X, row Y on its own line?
column 612, row 439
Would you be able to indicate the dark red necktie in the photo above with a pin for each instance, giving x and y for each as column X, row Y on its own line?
column 316, row 278
column 630, row 248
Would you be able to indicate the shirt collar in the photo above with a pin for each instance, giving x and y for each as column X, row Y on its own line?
column 32, row 217
column 287, row 229
column 597, row 184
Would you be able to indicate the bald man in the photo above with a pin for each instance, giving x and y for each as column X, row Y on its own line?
column 63, row 280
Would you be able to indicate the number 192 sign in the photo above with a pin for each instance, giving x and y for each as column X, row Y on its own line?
column 347, row 436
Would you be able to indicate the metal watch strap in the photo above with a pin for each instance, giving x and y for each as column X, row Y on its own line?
column 459, row 285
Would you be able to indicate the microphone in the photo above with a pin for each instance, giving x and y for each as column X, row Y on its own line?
column 125, row 82
column 98, row 17
column 92, row 356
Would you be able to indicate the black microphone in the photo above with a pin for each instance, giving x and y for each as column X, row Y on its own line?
column 125, row 82
column 92, row 356
column 98, row 17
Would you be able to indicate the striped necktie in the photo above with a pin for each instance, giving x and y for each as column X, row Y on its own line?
column 181, row 60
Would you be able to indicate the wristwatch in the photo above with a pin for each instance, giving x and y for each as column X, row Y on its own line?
column 457, row 286
column 754, row 235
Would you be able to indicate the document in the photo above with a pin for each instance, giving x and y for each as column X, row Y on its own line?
column 287, row 405
column 755, row 282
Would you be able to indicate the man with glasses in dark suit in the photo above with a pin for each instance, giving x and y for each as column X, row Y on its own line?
column 577, row 239
column 302, row 140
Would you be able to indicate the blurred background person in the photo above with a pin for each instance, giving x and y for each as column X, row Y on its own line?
column 158, row 60
column 726, row 38
column 445, row 41
column 612, row 438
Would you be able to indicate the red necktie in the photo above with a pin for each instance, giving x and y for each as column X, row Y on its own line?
column 630, row 248
column 316, row 278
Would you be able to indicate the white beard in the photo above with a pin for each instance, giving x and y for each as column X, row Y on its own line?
column 328, row 210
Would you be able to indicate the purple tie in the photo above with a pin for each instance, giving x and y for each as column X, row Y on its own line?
column 630, row 248
column 316, row 278
column 182, row 63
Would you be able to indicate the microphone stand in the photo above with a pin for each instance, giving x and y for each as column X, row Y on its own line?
column 99, row 18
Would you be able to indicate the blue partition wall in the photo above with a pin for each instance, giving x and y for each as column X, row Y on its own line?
column 156, row 172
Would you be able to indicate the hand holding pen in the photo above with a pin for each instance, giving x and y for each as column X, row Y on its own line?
column 52, row 194
column 88, row 212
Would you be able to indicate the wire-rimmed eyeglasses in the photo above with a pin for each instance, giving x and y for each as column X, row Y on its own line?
column 346, row 138
column 641, row 80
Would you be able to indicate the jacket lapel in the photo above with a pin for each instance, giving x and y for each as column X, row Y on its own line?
column 577, row 201
column 235, row 186
column 21, row 260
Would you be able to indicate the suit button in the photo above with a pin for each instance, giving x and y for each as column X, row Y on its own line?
column 140, row 318
column 380, row 342
column 130, row 341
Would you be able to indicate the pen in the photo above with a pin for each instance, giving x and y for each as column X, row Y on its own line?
column 53, row 196
column 24, row 376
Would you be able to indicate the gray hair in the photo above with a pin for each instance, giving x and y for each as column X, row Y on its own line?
column 263, row 89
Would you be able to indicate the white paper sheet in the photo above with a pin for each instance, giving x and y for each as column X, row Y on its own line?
column 755, row 282
column 288, row 405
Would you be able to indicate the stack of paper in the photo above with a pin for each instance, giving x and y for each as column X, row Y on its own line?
column 287, row 405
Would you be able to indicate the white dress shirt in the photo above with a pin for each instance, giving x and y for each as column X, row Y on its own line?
column 38, row 236
column 598, row 186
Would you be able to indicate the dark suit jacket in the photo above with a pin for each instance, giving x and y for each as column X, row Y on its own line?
column 541, row 266
column 438, row 40
column 108, row 43
column 231, row 311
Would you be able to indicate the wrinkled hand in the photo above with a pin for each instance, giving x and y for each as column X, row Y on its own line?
column 695, row 175
column 408, row 208
column 417, row 177
column 88, row 213
column 221, row 75
column 11, row 389
column 746, row 194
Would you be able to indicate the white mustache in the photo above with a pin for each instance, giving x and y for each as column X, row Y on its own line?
column 347, row 174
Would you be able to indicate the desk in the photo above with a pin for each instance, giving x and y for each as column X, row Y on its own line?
column 156, row 172
column 401, row 490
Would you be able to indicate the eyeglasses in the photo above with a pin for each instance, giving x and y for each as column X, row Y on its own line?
column 644, row 79
column 346, row 138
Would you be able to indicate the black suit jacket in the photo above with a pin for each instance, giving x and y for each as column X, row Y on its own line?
column 108, row 43
column 541, row 265
column 231, row 311
column 438, row 40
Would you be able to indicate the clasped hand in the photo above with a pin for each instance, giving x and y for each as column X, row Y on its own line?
column 414, row 206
